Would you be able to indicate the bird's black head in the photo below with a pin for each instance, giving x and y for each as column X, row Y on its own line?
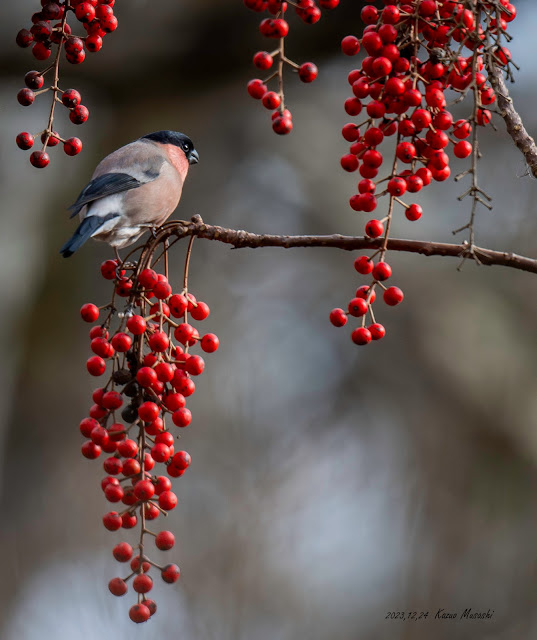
column 178, row 140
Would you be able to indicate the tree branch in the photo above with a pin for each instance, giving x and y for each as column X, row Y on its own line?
column 241, row 239
column 513, row 122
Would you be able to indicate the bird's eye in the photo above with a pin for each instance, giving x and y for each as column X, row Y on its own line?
column 186, row 146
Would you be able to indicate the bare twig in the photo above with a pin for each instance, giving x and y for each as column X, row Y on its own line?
column 241, row 239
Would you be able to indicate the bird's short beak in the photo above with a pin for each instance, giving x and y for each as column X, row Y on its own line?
column 193, row 158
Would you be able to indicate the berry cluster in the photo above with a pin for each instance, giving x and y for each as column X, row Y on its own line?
column 50, row 28
column 277, row 28
column 151, row 373
column 415, row 64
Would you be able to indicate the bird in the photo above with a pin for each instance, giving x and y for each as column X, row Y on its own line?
column 132, row 190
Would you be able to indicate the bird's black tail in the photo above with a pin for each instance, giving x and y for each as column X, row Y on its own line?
column 85, row 230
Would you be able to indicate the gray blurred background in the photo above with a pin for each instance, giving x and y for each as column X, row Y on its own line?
column 330, row 484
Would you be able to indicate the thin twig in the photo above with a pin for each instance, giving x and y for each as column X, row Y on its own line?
column 513, row 121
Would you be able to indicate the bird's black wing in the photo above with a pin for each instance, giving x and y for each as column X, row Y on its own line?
column 105, row 185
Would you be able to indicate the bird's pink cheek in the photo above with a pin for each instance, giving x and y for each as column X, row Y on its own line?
column 178, row 159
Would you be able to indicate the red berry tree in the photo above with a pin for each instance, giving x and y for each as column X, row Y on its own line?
column 419, row 57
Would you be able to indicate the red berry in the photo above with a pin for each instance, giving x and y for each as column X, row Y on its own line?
column 128, row 449
column 184, row 332
column 148, row 279
column 182, row 460
column 117, row 587
column 165, row 540
column 209, row 343
column 113, row 466
column 139, row 613
column 135, row 564
column 122, row 552
column 162, row 290
column 79, row 114
column 165, row 437
column 307, row 72
column 271, row 100
column 413, row 212
column 382, row 271
column 108, row 269
column 25, row 141
column 274, row 28
column 406, row 151
column 462, row 149
column 136, row 325
column 349, row 162
column 34, row 80
column 462, row 129
column 338, row 317
column 41, row 51
column 51, row 139
column 89, row 312
column 129, row 520
column 159, row 341
column 171, row 573
column 142, row 583
column 72, row 146
column 167, row 500
column 41, row 30
column 374, row 228
column 109, row 23
column 361, row 336
column 182, row 417
column 282, row 125
column 91, row 450
column 397, row 186
column 195, row 365
column 112, row 400
column 96, row 366
column 350, row 45
column 393, row 296
column 39, row 159
column 148, row 411
column 71, row 98
column 94, row 43
column 144, row 490
column 364, row 265
column 112, row 521
column 85, row 12
column 256, row 89
column 24, row 38
column 263, row 60
column 146, row 376
column 353, row 106
column 121, row 342
column 160, row 452
column 377, row 331
column 350, row 132
column 201, row 311
column 358, row 307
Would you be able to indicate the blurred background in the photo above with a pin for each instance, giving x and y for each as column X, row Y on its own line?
column 330, row 484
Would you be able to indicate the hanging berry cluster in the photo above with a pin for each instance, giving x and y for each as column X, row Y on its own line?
column 277, row 28
column 137, row 413
column 416, row 66
column 50, row 28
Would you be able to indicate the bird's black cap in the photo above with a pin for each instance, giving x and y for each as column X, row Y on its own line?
column 178, row 139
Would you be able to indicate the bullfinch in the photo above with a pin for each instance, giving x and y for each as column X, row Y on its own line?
column 133, row 189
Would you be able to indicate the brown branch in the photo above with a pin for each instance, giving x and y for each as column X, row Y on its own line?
column 513, row 122
column 241, row 239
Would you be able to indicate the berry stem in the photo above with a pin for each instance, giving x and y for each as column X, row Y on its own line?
column 54, row 88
